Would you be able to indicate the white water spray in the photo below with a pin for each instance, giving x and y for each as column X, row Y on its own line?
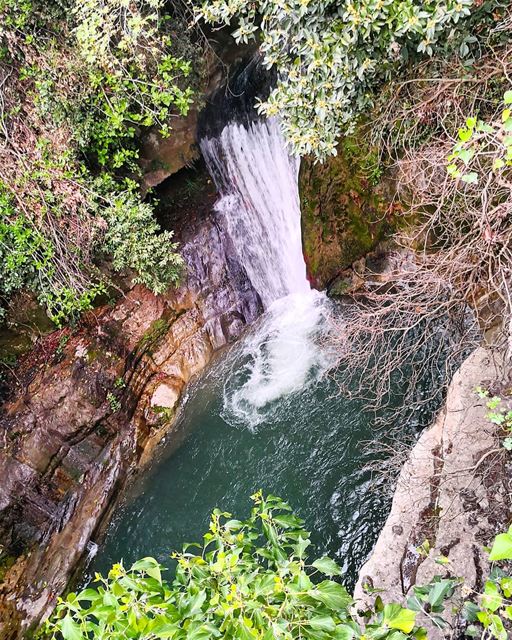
column 259, row 202
column 260, row 209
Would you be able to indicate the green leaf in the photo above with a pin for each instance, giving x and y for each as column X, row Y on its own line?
column 396, row 617
column 333, row 595
column 344, row 632
column 327, row 566
column 470, row 178
column 501, row 548
column 70, row 629
column 491, row 598
column 465, row 134
column 439, row 592
column 507, row 444
column 507, row 98
column 470, row 611
column 322, row 623
column 465, row 155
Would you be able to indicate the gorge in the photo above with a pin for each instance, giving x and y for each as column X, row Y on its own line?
column 127, row 431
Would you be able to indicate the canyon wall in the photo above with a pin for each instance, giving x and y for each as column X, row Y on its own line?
column 94, row 404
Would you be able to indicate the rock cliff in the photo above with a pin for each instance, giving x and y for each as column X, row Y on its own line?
column 97, row 402
column 454, row 491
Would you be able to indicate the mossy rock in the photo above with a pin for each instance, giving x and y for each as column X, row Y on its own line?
column 345, row 208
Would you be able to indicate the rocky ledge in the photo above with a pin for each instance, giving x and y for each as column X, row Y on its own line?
column 88, row 417
column 454, row 491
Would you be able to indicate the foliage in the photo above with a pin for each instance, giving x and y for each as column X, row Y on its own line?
column 114, row 402
column 82, row 81
column 248, row 580
column 331, row 56
column 133, row 79
column 499, row 414
column 133, row 240
column 493, row 608
column 484, row 148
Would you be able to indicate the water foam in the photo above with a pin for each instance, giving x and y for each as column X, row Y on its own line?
column 287, row 351
column 259, row 209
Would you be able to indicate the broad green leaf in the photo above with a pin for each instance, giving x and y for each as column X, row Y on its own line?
column 491, row 598
column 322, row 623
column 439, row 592
column 506, row 586
column 397, row 617
column 88, row 594
column 501, row 548
column 465, row 134
column 465, row 155
column 144, row 564
column 327, row 566
column 333, row 595
column 470, row 178
column 70, row 629
column 344, row 632
column 470, row 611
column 507, row 98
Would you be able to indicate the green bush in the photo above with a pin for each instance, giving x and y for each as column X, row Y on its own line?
column 331, row 56
column 133, row 240
column 84, row 79
column 248, row 580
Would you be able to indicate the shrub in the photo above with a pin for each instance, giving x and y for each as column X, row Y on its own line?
column 331, row 56
column 133, row 240
column 82, row 81
column 248, row 580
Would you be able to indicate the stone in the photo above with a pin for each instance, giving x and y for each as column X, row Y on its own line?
column 72, row 438
column 443, row 496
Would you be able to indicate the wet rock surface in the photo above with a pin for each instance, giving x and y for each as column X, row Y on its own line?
column 93, row 407
column 347, row 208
column 454, row 491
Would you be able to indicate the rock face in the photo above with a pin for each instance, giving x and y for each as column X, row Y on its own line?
column 161, row 157
column 454, row 491
column 100, row 400
column 346, row 209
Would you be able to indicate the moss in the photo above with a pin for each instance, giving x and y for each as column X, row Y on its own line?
column 344, row 208
column 6, row 562
column 166, row 414
column 154, row 334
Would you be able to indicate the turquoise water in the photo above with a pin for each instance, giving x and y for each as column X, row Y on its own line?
column 267, row 415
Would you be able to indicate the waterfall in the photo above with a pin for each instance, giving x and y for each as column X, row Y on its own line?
column 259, row 204
column 259, row 208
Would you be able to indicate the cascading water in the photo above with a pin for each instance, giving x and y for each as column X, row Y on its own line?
column 260, row 210
column 259, row 203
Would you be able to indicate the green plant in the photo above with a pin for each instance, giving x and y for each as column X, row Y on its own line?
column 134, row 240
column 493, row 608
column 484, row 148
column 248, row 580
column 114, row 402
column 332, row 56
column 83, row 81
column 499, row 414
column 134, row 79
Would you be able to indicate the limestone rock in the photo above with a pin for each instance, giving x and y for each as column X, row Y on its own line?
column 453, row 491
